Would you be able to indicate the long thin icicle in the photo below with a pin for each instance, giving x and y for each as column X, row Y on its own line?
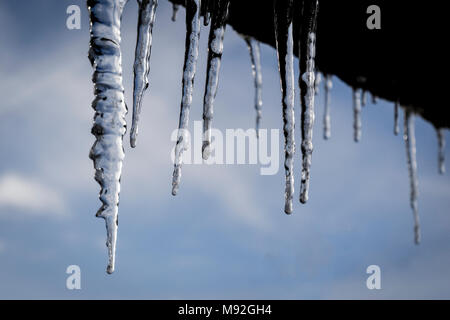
column 215, row 50
column 147, row 9
column 189, row 68
column 307, row 71
column 255, row 56
column 357, row 115
column 410, row 141
column 110, row 110
column 396, row 123
column 326, row 116
column 285, row 54
column 441, row 144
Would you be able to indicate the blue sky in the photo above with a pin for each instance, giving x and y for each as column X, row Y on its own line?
column 225, row 234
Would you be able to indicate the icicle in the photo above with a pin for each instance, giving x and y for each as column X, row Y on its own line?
column 255, row 56
column 175, row 8
column 285, row 54
column 110, row 110
column 410, row 141
column 307, row 56
column 364, row 98
column 396, row 124
column 317, row 83
column 205, row 11
column 441, row 143
column 190, row 64
column 326, row 117
column 147, row 9
column 215, row 50
column 357, row 114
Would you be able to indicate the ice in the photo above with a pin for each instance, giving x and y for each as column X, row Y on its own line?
column 215, row 50
column 255, row 56
column 285, row 54
column 357, row 115
column 326, row 116
column 189, row 68
column 110, row 110
column 147, row 9
column 307, row 72
column 410, row 141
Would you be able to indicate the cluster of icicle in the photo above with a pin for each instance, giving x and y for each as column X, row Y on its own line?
column 109, row 122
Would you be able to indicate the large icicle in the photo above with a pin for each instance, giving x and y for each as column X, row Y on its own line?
column 255, row 56
column 285, row 54
column 307, row 65
column 215, row 50
column 326, row 115
column 410, row 141
column 396, row 123
column 356, row 115
column 190, row 64
column 441, row 144
column 109, row 121
column 147, row 9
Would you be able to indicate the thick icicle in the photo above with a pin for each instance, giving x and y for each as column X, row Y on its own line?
column 147, row 9
column 109, row 121
column 215, row 50
column 255, row 56
column 356, row 115
column 175, row 8
column 317, row 83
column 190, row 64
column 396, row 123
column 326, row 116
column 307, row 65
column 410, row 141
column 441, row 143
column 285, row 54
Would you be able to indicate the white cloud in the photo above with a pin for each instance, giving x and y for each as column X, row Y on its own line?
column 29, row 196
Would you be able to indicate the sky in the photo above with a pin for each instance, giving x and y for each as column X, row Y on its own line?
column 225, row 235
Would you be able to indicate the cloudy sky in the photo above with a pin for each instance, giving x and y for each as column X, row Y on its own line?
column 225, row 234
